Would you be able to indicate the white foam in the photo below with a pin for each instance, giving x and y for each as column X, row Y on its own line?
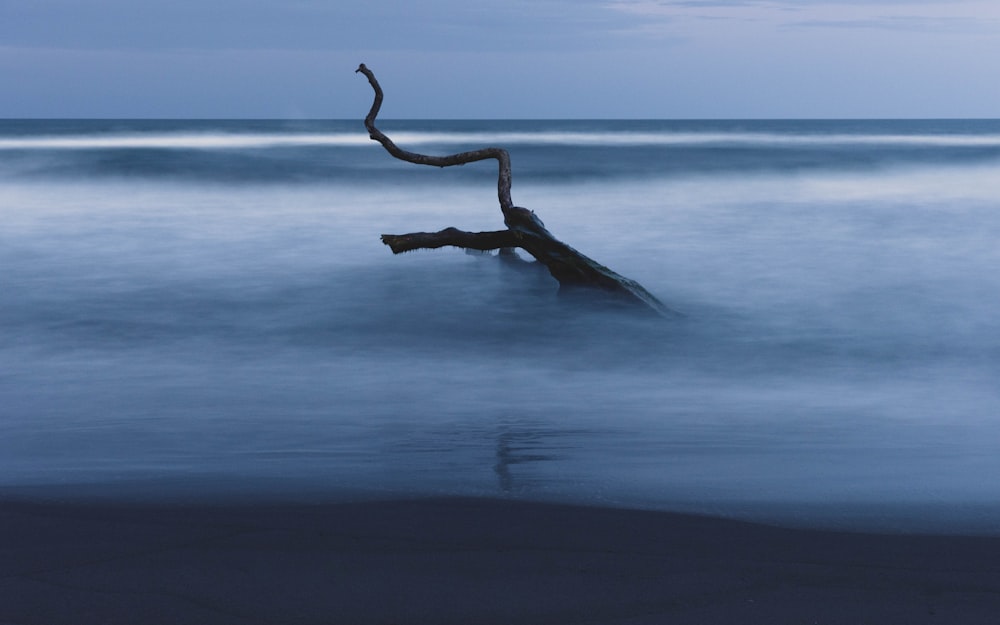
column 223, row 141
column 195, row 141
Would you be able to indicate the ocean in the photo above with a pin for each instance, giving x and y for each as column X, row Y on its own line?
column 203, row 310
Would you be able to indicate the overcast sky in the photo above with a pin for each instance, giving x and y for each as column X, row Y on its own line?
column 501, row 58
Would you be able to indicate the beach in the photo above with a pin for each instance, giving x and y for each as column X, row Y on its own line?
column 469, row 560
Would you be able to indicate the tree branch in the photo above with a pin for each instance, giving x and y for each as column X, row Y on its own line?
column 524, row 229
column 501, row 155
column 482, row 241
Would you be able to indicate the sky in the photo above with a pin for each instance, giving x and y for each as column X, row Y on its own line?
column 295, row 59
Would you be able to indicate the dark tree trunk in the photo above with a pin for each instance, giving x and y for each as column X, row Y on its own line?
column 524, row 229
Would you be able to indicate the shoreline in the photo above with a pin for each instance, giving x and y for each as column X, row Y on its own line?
column 470, row 560
column 885, row 516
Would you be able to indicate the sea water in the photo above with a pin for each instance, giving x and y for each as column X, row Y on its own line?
column 204, row 309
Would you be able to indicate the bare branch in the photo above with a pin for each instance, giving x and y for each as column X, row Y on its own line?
column 501, row 155
column 524, row 229
column 482, row 241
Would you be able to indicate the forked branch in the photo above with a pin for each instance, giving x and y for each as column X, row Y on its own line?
column 524, row 229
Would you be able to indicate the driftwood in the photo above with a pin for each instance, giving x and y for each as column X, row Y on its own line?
column 524, row 230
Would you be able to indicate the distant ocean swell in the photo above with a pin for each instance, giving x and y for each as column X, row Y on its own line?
column 340, row 150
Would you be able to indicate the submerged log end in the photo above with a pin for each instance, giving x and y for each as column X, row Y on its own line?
column 588, row 276
column 397, row 243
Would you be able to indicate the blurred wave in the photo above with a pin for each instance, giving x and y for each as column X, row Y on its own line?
column 256, row 140
column 229, row 152
column 840, row 348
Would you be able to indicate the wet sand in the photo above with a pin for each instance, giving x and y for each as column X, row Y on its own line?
column 471, row 561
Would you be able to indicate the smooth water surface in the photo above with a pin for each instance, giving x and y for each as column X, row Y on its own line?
column 206, row 308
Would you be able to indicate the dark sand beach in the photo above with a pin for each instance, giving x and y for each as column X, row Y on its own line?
column 471, row 561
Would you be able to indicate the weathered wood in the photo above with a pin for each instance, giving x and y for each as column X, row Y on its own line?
column 501, row 155
column 482, row 241
column 524, row 229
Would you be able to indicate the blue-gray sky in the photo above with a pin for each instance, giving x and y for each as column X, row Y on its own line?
column 501, row 58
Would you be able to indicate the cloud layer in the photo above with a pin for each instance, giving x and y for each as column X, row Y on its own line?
column 492, row 58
